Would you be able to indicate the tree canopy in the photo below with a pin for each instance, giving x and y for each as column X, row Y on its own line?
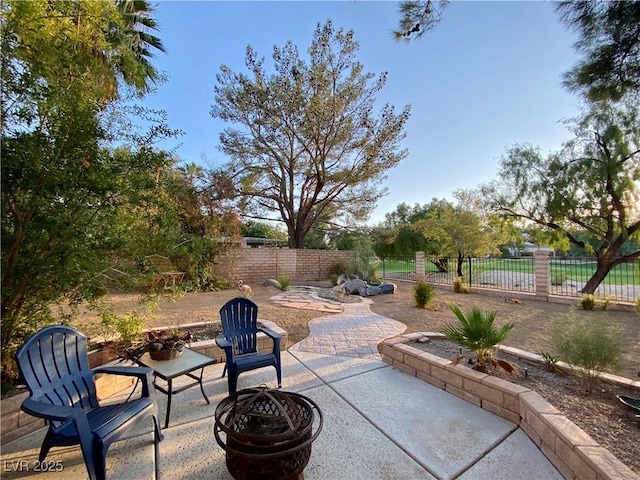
column 63, row 181
column 305, row 144
column 590, row 186
column 609, row 41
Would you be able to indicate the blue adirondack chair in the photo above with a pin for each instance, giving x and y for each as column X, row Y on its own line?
column 55, row 366
column 239, row 339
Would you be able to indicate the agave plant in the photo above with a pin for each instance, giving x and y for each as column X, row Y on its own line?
column 476, row 332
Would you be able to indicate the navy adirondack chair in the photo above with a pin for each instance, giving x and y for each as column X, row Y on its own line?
column 239, row 339
column 55, row 366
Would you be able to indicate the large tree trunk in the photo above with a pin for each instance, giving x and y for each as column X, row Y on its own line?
column 602, row 270
column 460, row 262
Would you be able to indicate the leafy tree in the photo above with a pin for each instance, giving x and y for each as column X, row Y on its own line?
column 610, row 46
column 590, row 186
column 62, row 184
column 460, row 231
column 309, row 147
column 262, row 230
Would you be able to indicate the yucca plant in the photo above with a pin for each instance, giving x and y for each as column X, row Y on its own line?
column 423, row 293
column 476, row 332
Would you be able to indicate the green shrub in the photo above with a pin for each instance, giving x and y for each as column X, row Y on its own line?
column 459, row 286
column 590, row 347
column 558, row 278
column 423, row 293
column 284, row 282
column 588, row 302
column 334, row 279
column 338, row 268
column 127, row 327
column 475, row 331
column 606, row 303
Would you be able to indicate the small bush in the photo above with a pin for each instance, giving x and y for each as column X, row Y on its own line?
column 558, row 278
column 339, row 268
column 284, row 282
column 459, row 286
column 423, row 293
column 588, row 302
column 606, row 303
column 590, row 347
column 334, row 279
column 638, row 306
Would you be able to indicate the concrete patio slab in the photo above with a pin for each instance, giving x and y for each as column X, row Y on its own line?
column 441, row 431
column 516, row 455
column 330, row 368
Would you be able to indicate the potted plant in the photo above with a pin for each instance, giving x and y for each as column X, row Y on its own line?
column 161, row 345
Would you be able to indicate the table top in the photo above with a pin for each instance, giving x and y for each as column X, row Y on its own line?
column 189, row 360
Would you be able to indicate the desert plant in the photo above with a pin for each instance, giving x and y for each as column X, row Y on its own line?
column 550, row 361
column 285, row 282
column 459, row 286
column 590, row 347
column 334, row 279
column 606, row 303
column 558, row 278
column 423, row 293
column 475, row 331
column 338, row 268
column 588, row 302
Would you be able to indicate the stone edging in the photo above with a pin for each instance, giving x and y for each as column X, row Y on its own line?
column 569, row 448
column 14, row 423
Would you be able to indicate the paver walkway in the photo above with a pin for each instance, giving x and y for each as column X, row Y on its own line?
column 353, row 332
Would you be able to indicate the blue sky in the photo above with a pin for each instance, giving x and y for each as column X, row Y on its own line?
column 487, row 77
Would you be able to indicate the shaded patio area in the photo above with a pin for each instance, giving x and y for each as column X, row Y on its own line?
column 379, row 423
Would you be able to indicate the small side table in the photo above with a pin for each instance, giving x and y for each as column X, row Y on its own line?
column 185, row 364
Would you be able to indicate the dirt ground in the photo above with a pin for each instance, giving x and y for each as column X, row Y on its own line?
column 532, row 332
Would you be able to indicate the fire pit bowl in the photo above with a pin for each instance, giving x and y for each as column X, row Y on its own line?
column 267, row 433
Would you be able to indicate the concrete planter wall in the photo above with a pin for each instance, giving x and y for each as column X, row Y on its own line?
column 571, row 450
column 15, row 423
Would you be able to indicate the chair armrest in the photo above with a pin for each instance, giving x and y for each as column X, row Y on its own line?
column 59, row 413
column 144, row 374
column 222, row 342
column 273, row 334
column 139, row 372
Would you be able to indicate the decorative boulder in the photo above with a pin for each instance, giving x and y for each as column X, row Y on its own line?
column 388, row 288
column 272, row 283
column 354, row 287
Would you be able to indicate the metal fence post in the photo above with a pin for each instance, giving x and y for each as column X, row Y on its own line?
column 470, row 277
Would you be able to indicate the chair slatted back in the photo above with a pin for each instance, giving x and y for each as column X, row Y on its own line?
column 55, row 366
column 239, row 317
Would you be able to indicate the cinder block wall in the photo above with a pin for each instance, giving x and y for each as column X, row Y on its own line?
column 255, row 265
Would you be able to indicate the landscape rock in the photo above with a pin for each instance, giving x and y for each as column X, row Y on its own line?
column 272, row 283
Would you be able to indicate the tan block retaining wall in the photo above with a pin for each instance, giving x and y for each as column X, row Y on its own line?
column 14, row 423
column 255, row 265
column 569, row 448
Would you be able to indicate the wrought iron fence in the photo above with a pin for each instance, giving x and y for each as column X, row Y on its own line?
column 398, row 267
column 567, row 275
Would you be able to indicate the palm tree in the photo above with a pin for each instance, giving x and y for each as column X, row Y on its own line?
column 476, row 332
column 133, row 45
